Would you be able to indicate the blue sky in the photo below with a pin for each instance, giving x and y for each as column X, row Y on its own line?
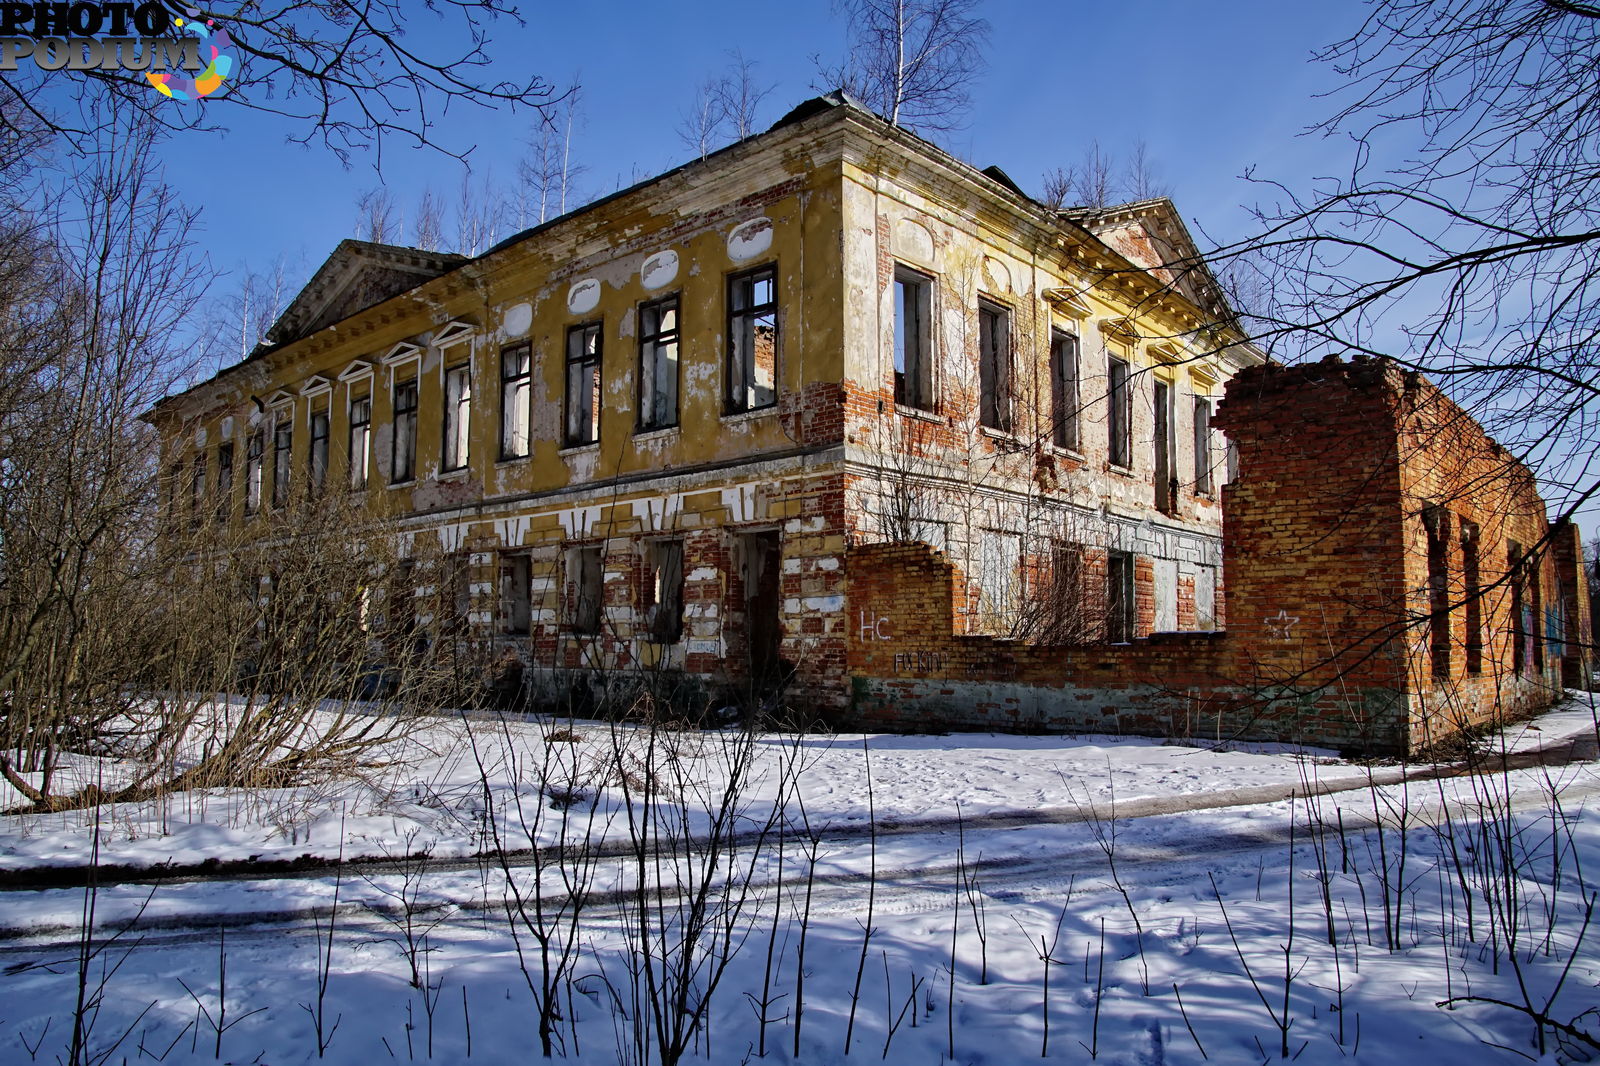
column 1212, row 89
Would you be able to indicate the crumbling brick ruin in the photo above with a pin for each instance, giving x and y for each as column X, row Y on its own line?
column 1390, row 578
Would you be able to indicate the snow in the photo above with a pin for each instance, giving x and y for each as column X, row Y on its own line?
column 998, row 849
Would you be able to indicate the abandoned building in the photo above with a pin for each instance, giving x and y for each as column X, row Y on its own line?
column 832, row 407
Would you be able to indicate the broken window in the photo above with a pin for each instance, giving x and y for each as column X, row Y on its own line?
column 753, row 340
column 360, row 440
column 403, row 450
column 1166, row 478
column 1119, row 413
column 282, row 452
column 197, row 490
column 999, row 580
column 1064, row 389
column 994, row 366
column 663, row 591
column 457, row 416
column 253, row 449
column 516, row 594
column 1119, row 597
column 224, row 482
column 584, row 589
column 1527, row 649
column 1437, row 524
column 583, row 384
column 516, row 374
column 658, row 364
column 1202, row 445
column 913, row 339
column 317, row 455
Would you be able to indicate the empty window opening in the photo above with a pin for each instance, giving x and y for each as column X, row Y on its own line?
column 1202, row 446
column 1119, row 597
column 403, row 453
column 1473, row 597
column 1437, row 523
column 585, row 590
column 1119, row 413
column 1166, row 479
column 516, row 374
column 663, row 591
column 658, row 364
column 197, row 490
column 583, row 384
column 457, row 416
column 913, row 339
column 253, row 449
column 224, row 482
column 360, row 440
column 1064, row 389
column 317, row 454
column 752, row 340
column 516, row 595
column 994, row 366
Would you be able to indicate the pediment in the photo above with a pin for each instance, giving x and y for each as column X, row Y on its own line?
column 1151, row 235
column 358, row 275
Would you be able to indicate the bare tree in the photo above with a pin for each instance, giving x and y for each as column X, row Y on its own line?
column 1094, row 180
column 378, row 217
column 1465, row 238
column 427, row 225
column 725, row 107
column 546, row 172
column 351, row 75
column 914, row 61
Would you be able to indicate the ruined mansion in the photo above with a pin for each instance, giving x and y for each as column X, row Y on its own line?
column 831, row 414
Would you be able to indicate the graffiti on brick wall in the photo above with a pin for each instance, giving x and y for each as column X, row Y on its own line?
column 919, row 662
column 873, row 625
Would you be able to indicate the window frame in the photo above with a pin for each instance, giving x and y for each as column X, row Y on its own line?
column 404, row 423
column 317, row 448
column 358, row 468
column 996, row 366
column 224, row 501
column 455, row 450
column 585, row 615
column 652, row 342
column 588, row 362
column 282, row 456
column 1204, row 480
column 1064, row 378
column 739, row 392
column 255, row 450
column 662, row 594
column 516, row 392
column 914, row 347
column 1122, row 602
column 516, row 594
column 197, row 490
column 1119, row 412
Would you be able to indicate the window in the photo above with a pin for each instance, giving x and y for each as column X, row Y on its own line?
column 999, row 581
column 1119, row 420
column 516, row 371
column 584, row 589
column 1166, row 476
column 252, row 472
column 583, row 384
column 224, row 482
column 360, row 440
column 1473, row 596
column 1436, row 521
column 1202, row 445
column 197, row 490
column 516, row 594
column 317, row 457
column 403, row 457
column 994, row 366
column 752, row 340
column 658, row 364
column 1064, row 389
column 663, row 591
column 282, row 454
column 913, row 339
column 457, row 415
column 1119, row 597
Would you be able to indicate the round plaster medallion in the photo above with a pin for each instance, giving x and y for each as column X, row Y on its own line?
column 584, row 296
column 750, row 239
column 660, row 269
column 517, row 319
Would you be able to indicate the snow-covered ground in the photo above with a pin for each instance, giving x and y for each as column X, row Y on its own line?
column 1108, row 857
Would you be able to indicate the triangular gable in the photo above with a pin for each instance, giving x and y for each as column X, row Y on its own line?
column 356, row 276
column 403, row 352
column 453, row 332
column 315, row 384
column 1151, row 234
column 361, row 368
